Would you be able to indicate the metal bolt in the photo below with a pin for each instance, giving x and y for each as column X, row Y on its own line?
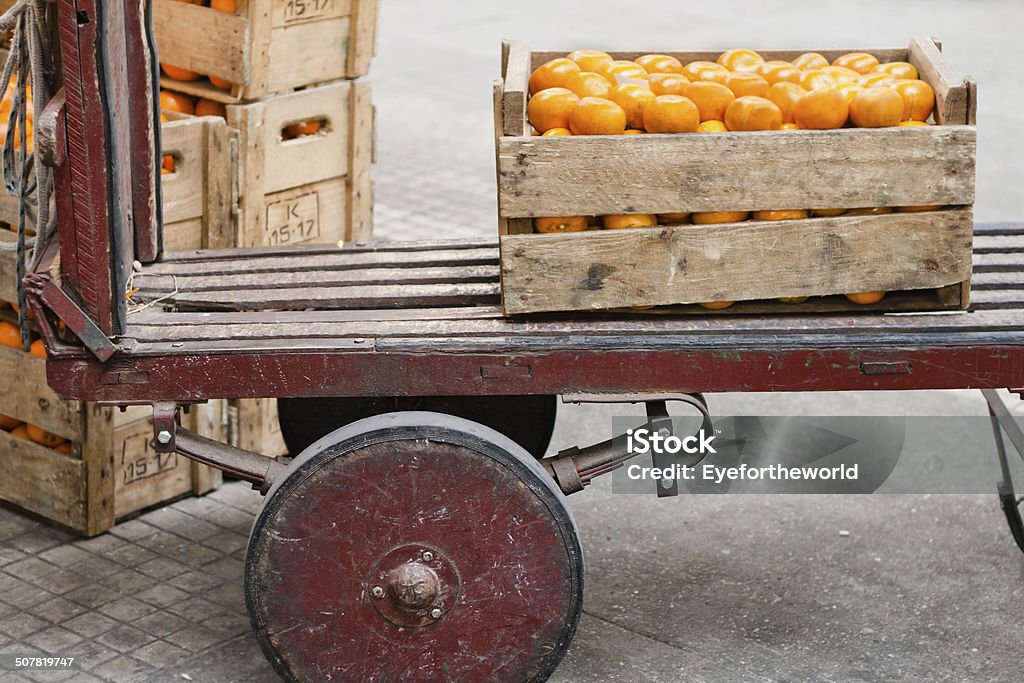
column 436, row 613
column 428, row 556
column 358, row 340
column 164, row 437
column 377, row 592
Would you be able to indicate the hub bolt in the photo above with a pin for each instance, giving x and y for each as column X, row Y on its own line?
column 428, row 556
column 436, row 613
column 377, row 592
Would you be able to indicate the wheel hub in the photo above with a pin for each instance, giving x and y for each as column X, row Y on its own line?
column 413, row 585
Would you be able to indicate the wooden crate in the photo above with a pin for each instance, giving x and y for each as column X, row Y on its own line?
column 112, row 471
column 268, row 46
column 924, row 256
column 253, row 425
column 312, row 189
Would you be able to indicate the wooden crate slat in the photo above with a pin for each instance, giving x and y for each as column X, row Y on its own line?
column 43, row 481
column 952, row 104
column 27, row 397
column 153, row 317
column 316, row 250
column 201, row 39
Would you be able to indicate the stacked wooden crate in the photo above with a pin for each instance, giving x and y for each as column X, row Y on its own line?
column 274, row 64
column 108, row 469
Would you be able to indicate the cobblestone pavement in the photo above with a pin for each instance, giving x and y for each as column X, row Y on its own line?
column 697, row 589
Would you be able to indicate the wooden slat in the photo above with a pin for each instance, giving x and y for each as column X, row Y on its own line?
column 370, row 296
column 320, row 249
column 884, row 54
column 156, row 317
column 752, row 171
column 951, row 92
column 223, row 50
column 27, row 397
column 359, row 218
column 987, row 262
column 42, row 481
column 516, row 88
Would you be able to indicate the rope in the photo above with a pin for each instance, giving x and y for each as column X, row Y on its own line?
column 24, row 175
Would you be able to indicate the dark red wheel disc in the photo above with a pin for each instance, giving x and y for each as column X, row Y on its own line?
column 414, row 547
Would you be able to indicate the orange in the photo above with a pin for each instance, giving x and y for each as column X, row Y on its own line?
column 816, row 79
column 590, row 60
column 792, row 299
column 64, row 448
column 560, row 224
column 629, row 220
column 10, row 336
column 553, row 74
column 877, row 107
column 43, row 437
column 912, row 124
column 898, row 70
column 742, row 84
column 849, row 90
column 777, row 71
column 785, row 95
column 550, row 108
column 671, row 114
column 588, row 84
column 810, row 60
column 789, row 126
column 715, row 217
column 38, row 348
column 870, row 211
column 918, row 99
column 741, row 60
column 827, row 213
column 178, row 73
column 220, row 83
column 622, row 71
column 753, row 113
column 174, row 101
column 865, row 298
column 821, row 110
column 8, row 423
column 597, row 116
column 875, row 79
column 712, row 99
column 717, row 305
column 634, row 98
column 861, row 62
column 221, row 5
column 301, row 128
column 712, row 126
column 841, row 74
column 668, row 84
column 206, row 107
column 780, row 215
column 705, row 71
column 556, row 132
column 918, row 209
column 673, row 218
column 167, row 164
column 660, row 64
column 20, row 432
column 634, row 131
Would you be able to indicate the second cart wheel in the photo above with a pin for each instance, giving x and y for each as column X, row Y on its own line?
column 527, row 420
column 414, row 547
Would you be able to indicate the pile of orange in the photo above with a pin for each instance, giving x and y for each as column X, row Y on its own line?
column 6, row 103
column 10, row 337
column 179, row 74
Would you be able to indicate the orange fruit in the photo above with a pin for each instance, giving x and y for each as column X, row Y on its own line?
column 866, row 298
column 38, row 348
column 753, row 113
column 877, row 107
column 712, row 99
column 849, row 90
column 898, row 70
column 841, row 74
column 207, row 107
column 793, row 299
column 743, row 83
column 673, row 218
column 821, row 110
column 556, row 132
column 10, row 336
column 816, row 79
column 780, row 215
column 588, row 84
column 597, row 116
column 789, row 126
column 64, row 448
column 918, row 209
column 20, row 432
column 220, row 83
column 178, row 73
column 43, row 437
column 622, row 71
column 634, row 131
column 668, row 84
column 715, row 217
column 221, row 5
column 740, row 59
column 785, row 95
column 660, row 64
column 671, row 114
column 560, row 224
column 7, row 423
column 861, row 62
column 167, row 164
column 590, row 60
column 810, row 60
column 912, row 124
column 827, row 213
column 778, row 71
column 553, row 74
column 629, row 220
column 633, row 98
column 717, row 305
column 175, row 101
column 301, row 128
column 918, row 99
column 712, row 126
column 869, row 211
column 550, row 108
column 705, row 71
column 873, row 79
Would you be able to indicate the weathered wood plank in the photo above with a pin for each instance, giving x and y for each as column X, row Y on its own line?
column 42, row 481
column 369, row 296
column 690, row 264
column 320, row 249
column 951, row 92
column 27, row 396
column 223, row 51
column 516, row 88
column 751, row 171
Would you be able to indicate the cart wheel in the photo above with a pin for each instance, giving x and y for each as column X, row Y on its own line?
column 527, row 420
column 415, row 547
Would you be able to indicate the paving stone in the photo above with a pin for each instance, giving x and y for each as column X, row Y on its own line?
column 164, row 543
column 195, row 554
column 100, row 545
column 40, row 538
column 195, row 608
column 92, row 596
column 130, row 555
column 8, row 555
column 29, row 568
column 27, row 595
column 56, row 641
column 122, row 668
column 194, row 639
column 227, row 541
column 124, row 638
column 66, row 556
column 7, row 582
column 51, row 675
column 227, row 568
column 21, row 625
column 133, row 530
column 195, row 581
column 228, row 625
column 162, row 568
column 161, row 624
column 126, row 609
column 6, row 609
column 58, row 610
column 178, row 522
column 161, row 653
column 90, row 624
column 163, row 595
column 93, row 653
column 83, row 677
column 242, row 498
column 97, row 567
column 61, row 581
column 128, row 581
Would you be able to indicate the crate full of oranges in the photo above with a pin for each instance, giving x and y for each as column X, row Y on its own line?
column 773, row 180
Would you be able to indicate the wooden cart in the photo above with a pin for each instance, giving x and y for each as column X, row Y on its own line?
column 415, row 544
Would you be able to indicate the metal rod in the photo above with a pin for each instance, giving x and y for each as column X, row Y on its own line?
column 261, row 471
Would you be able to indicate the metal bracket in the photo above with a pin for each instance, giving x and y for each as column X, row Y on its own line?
column 41, row 289
column 165, row 427
column 1005, row 421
